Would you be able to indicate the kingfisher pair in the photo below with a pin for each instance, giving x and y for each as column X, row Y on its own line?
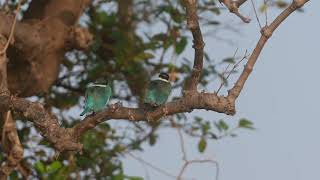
column 97, row 95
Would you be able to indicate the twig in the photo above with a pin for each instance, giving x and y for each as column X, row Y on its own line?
column 237, row 64
column 266, row 11
column 233, row 7
column 225, row 70
column 152, row 166
column 256, row 14
column 193, row 161
column 12, row 28
column 198, row 45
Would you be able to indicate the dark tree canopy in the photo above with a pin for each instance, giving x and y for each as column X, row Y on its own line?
column 58, row 47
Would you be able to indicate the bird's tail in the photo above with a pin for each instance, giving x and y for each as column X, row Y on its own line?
column 84, row 111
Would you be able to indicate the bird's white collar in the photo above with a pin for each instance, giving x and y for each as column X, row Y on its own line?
column 97, row 85
column 161, row 79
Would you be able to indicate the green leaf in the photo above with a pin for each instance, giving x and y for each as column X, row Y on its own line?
column 143, row 56
column 202, row 145
column 181, row 45
column 119, row 177
column 205, row 127
column 281, row 4
column 54, row 166
column 152, row 139
column 222, row 126
column 229, row 60
column 263, row 8
column 39, row 166
column 134, row 178
column 244, row 123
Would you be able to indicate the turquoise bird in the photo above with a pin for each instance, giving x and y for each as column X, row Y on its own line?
column 97, row 96
column 157, row 92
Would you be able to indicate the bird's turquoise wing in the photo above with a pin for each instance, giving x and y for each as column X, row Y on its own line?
column 163, row 92
column 101, row 97
column 89, row 101
column 157, row 93
column 150, row 94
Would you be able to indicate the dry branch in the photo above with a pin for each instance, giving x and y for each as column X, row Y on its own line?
column 266, row 33
column 11, row 145
column 9, row 136
column 198, row 45
column 233, row 7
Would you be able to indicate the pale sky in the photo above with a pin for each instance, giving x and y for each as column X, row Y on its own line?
column 281, row 98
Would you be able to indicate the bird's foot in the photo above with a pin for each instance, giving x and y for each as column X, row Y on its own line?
column 148, row 117
column 92, row 114
column 131, row 118
column 165, row 110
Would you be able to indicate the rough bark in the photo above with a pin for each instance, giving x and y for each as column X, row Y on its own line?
column 9, row 137
column 41, row 40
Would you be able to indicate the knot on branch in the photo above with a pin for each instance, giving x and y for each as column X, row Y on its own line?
column 66, row 141
column 233, row 7
column 266, row 32
column 192, row 17
column 230, row 108
column 299, row 3
column 198, row 45
column 189, row 93
column 81, row 38
column 114, row 107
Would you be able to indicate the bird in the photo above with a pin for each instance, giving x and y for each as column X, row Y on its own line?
column 157, row 92
column 97, row 96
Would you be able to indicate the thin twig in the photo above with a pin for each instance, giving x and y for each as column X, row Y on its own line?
column 222, row 82
column 237, row 64
column 193, row 161
column 183, row 149
column 266, row 11
column 255, row 12
column 12, row 28
column 152, row 166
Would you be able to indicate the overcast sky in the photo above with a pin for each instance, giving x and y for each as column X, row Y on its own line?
column 281, row 97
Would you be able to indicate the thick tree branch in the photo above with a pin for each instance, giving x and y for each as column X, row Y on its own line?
column 47, row 124
column 233, row 7
column 67, row 139
column 11, row 145
column 9, row 137
column 198, row 45
column 41, row 40
column 266, row 33
column 207, row 101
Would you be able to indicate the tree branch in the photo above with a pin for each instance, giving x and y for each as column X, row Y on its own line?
column 266, row 33
column 9, row 135
column 42, row 39
column 233, row 7
column 12, row 146
column 198, row 45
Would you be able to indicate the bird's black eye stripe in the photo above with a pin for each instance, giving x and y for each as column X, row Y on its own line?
column 164, row 76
